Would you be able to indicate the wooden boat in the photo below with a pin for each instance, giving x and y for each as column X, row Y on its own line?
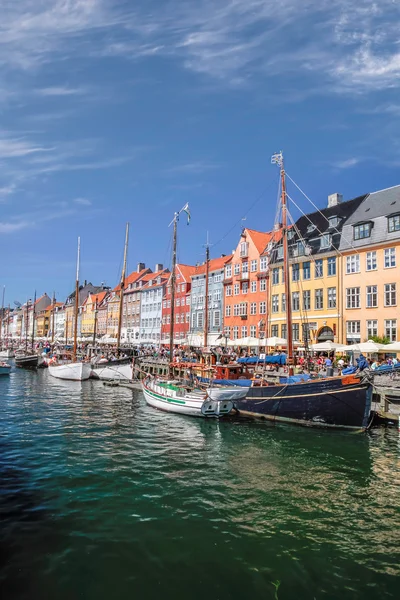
column 27, row 360
column 112, row 370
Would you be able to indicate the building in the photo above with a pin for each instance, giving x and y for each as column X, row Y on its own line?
column 59, row 321
column 216, row 269
column 43, row 322
column 151, row 296
column 84, row 291
column 370, row 246
column 245, row 285
column 183, row 284
column 113, row 303
column 89, row 313
column 315, row 275
column 130, row 331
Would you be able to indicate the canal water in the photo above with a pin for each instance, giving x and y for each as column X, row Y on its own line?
column 103, row 497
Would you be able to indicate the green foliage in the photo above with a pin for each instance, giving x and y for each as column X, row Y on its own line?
column 380, row 339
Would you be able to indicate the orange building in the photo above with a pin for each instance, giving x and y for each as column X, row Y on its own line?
column 246, row 286
column 183, row 285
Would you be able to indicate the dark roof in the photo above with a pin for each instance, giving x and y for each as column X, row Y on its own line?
column 303, row 229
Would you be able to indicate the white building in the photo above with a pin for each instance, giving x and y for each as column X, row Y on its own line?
column 151, row 307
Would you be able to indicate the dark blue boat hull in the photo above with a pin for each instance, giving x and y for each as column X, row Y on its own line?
column 318, row 403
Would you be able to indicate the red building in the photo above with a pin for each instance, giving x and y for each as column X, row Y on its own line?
column 183, row 284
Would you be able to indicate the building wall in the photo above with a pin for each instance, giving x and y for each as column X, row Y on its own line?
column 182, row 308
column 215, row 302
column 151, row 313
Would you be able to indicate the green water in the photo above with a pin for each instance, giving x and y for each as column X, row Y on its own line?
column 103, row 497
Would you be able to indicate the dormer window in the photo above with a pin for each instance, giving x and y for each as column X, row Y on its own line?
column 311, row 228
column 158, row 280
column 333, row 221
column 280, row 252
column 394, row 223
column 362, row 231
column 290, row 234
column 300, row 248
column 326, row 241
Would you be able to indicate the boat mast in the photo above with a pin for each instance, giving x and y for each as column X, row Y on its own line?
column 26, row 326
column 172, row 283
column 286, row 270
column 206, row 294
column 76, row 310
column 53, row 317
column 8, row 325
column 95, row 324
column 33, row 322
column 2, row 315
column 122, row 287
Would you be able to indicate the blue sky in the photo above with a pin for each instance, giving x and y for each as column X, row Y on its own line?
column 115, row 111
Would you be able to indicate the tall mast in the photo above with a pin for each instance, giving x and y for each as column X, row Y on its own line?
column 286, row 270
column 26, row 325
column 95, row 323
column 8, row 323
column 76, row 301
column 206, row 294
column 122, row 287
column 2, row 314
column 172, row 282
column 33, row 322
column 53, row 317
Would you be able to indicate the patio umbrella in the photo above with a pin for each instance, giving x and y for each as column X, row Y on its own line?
column 367, row 347
column 327, row 346
column 275, row 341
column 393, row 347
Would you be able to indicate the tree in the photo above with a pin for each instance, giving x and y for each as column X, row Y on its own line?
column 380, row 339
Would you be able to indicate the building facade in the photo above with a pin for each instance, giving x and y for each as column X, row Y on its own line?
column 90, row 312
column 316, row 276
column 370, row 247
column 151, row 296
column 130, row 331
column 183, row 284
column 215, row 301
column 245, row 286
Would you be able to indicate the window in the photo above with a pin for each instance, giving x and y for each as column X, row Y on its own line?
column 295, row 301
column 228, row 271
column 372, row 296
column 319, row 299
column 253, row 266
column 274, row 330
column 263, row 263
column 333, row 221
column 244, row 249
column 307, row 300
column 217, row 295
column 353, row 327
column 371, row 263
column 372, row 329
column 300, row 249
column 164, row 304
column 283, row 331
column 306, row 270
column 217, row 318
column 353, row 264
column 296, row 332
column 394, row 223
column 228, row 310
column 332, row 266
column 236, row 269
column 228, row 290
column 244, row 331
column 353, row 297
column 362, row 231
column 390, row 294
column 263, row 285
column 275, row 276
column 178, row 302
column 390, row 258
column 243, row 308
column 275, row 303
column 236, row 310
column 187, row 300
column 263, row 308
column 325, row 241
column 319, row 269
column 177, row 319
column 391, row 329
column 236, row 289
column 245, row 287
column 235, row 332
column 200, row 319
column 306, row 332
column 253, row 331
column 253, row 286
column 332, row 297
column 217, row 277
column 168, row 303
column 283, row 301
column 295, row 272
column 253, row 308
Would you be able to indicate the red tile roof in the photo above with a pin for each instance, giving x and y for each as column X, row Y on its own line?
column 96, row 297
column 260, row 238
column 275, row 236
column 215, row 264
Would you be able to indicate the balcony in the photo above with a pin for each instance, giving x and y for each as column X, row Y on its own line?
column 244, row 276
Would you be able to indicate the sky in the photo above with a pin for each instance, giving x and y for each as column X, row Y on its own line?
column 115, row 111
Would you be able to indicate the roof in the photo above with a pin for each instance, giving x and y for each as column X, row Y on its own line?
column 96, row 297
column 215, row 264
column 132, row 278
column 186, row 271
column 377, row 204
column 153, row 276
column 260, row 238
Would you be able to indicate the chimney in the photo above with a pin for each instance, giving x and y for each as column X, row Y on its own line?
column 277, row 226
column 223, row 255
column 159, row 267
column 140, row 267
column 85, row 282
column 334, row 199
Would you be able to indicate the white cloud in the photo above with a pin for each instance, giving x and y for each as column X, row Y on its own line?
column 12, row 227
column 19, row 147
column 83, row 201
column 347, row 163
column 61, row 91
column 192, row 168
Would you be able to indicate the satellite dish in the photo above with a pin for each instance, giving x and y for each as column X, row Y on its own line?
column 17, row 304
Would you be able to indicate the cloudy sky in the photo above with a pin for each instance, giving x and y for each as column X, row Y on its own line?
column 117, row 110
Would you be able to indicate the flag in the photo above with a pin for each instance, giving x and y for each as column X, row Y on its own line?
column 277, row 159
column 187, row 211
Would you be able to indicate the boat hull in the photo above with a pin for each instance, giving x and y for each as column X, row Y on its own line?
column 71, row 371
column 330, row 403
column 5, row 369
column 227, row 393
column 8, row 353
column 112, row 373
column 27, row 362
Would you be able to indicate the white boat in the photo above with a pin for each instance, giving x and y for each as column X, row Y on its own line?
column 5, row 368
column 232, row 392
column 74, row 371
column 173, row 396
column 112, row 372
column 7, row 353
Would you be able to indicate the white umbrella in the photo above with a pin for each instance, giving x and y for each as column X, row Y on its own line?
column 367, row 347
column 393, row 347
column 275, row 341
column 248, row 341
column 327, row 346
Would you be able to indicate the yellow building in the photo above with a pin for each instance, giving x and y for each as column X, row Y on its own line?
column 113, row 314
column 43, row 322
column 370, row 247
column 89, row 313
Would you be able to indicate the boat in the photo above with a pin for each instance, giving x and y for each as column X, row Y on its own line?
column 5, row 368
column 182, row 396
column 173, row 396
column 341, row 402
column 26, row 360
column 72, row 369
column 7, row 353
